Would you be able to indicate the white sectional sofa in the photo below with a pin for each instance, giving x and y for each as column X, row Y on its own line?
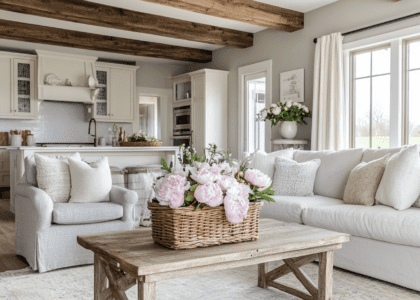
column 385, row 242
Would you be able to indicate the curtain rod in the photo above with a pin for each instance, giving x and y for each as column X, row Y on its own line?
column 378, row 25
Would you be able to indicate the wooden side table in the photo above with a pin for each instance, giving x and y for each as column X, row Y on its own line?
column 296, row 144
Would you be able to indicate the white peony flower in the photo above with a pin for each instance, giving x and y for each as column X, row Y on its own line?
column 277, row 110
column 306, row 109
column 295, row 103
column 201, row 165
column 264, row 113
column 288, row 104
column 273, row 105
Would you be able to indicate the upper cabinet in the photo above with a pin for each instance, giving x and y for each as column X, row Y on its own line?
column 17, row 97
column 115, row 101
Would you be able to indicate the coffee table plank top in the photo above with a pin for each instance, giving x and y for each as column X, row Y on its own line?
column 140, row 255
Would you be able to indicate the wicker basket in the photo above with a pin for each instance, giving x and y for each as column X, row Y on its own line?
column 185, row 228
column 141, row 144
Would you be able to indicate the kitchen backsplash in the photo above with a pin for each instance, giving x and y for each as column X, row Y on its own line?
column 60, row 122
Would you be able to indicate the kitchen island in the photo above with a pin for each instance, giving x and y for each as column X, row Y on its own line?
column 118, row 156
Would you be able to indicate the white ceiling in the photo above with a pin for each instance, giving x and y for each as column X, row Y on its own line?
column 146, row 7
column 299, row 5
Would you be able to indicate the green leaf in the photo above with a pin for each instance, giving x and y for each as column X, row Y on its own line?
column 189, row 197
column 199, row 206
column 192, row 189
column 164, row 165
column 171, row 165
column 268, row 199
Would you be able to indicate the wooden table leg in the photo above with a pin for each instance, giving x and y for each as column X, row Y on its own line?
column 325, row 281
column 262, row 275
column 146, row 290
column 99, row 278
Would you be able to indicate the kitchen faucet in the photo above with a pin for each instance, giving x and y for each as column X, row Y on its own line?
column 95, row 141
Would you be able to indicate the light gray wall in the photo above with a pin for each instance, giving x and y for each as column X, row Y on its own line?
column 296, row 50
column 158, row 75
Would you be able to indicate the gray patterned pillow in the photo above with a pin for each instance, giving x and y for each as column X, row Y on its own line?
column 295, row 179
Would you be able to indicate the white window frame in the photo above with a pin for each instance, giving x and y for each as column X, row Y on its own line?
column 398, row 108
column 405, row 71
column 264, row 66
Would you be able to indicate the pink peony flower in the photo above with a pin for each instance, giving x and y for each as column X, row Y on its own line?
column 237, row 203
column 258, row 179
column 172, row 190
column 226, row 182
column 206, row 175
column 209, row 193
column 227, row 169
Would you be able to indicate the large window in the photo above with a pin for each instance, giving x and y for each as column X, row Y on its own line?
column 384, row 91
column 371, row 97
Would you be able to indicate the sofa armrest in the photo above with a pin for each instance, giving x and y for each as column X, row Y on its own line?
column 32, row 201
column 127, row 199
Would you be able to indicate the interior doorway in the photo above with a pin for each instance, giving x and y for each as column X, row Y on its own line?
column 148, row 115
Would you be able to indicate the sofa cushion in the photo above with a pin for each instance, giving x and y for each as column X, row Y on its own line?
column 290, row 208
column 265, row 161
column 84, row 213
column 373, row 154
column 334, row 171
column 377, row 222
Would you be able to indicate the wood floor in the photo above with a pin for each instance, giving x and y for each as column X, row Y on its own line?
column 8, row 259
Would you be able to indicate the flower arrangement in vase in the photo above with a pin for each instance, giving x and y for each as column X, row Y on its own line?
column 289, row 113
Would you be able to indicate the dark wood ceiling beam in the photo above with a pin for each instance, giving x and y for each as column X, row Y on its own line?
column 75, row 39
column 91, row 13
column 246, row 11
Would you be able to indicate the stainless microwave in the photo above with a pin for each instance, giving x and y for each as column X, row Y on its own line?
column 182, row 120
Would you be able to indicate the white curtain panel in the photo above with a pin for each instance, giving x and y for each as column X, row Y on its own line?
column 329, row 129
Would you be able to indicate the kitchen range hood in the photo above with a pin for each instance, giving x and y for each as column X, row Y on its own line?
column 64, row 77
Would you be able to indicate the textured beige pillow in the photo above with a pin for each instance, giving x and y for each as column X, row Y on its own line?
column 53, row 176
column 364, row 181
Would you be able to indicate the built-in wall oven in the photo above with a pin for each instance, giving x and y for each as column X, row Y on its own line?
column 182, row 120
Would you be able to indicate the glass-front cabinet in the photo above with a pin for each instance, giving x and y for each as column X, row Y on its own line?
column 102, row 103
column 17, row 97
column 24, row 89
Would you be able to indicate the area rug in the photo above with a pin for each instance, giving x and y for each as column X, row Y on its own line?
column 232, row 284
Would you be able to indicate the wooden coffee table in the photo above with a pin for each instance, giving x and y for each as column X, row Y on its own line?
column 131, row 257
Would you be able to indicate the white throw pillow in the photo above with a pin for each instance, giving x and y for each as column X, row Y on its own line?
column 90, row 183
column 295, row 179
column 265, row 161
column 400, row 184
column 53, row 176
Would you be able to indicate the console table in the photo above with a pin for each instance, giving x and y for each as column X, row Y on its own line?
column 296, row 144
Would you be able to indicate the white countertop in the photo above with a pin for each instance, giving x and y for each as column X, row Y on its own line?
column 99, row 149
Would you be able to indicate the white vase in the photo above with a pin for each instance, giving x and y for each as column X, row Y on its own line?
column 288, row 129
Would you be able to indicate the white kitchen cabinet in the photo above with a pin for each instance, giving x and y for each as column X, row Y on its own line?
column 115, row 101
column 209, row 109
column 17, row 97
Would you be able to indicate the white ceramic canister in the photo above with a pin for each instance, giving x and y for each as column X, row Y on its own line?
column 16, row 140
column 30, row 140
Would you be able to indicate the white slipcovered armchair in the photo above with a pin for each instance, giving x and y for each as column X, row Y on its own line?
column 46, row 232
